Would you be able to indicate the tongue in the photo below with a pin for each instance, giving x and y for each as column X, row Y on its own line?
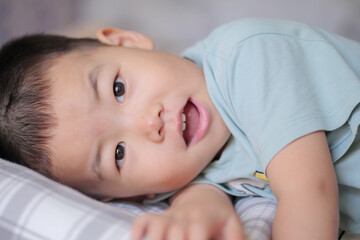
column 192, row 122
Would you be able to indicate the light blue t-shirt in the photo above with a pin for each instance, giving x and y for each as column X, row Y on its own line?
column 274, row 81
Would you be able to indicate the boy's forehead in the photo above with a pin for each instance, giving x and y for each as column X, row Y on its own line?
column 70, row 101
column 70, row 63
column 77, row 56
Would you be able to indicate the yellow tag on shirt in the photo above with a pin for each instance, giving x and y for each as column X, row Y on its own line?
column 260, row 175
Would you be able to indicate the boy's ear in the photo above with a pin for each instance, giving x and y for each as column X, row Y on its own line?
column 117, row 37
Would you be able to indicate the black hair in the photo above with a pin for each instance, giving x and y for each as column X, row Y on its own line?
column 26, row 115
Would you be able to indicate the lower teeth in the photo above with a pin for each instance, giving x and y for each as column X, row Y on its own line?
column 183, row 120
column 183, row 126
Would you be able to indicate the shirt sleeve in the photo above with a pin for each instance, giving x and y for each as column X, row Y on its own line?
column 282, row 87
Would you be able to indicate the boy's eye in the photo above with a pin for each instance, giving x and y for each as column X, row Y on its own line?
column 119, row 154
column 119, row 89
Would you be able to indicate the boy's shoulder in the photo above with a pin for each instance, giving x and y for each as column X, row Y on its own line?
column 224, row 41
column 228, row 39
column 243, row 29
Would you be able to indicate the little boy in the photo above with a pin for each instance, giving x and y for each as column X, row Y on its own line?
column 257, row 98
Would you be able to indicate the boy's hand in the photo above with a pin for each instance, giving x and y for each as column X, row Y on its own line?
column 199, row 212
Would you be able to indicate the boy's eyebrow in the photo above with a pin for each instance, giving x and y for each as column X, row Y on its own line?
column 96, row 165
column 93, row 77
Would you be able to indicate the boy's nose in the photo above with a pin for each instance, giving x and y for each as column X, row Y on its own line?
column 152, row 124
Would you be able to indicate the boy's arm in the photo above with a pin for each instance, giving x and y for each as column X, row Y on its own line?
column 303, row 180
column 198, row 212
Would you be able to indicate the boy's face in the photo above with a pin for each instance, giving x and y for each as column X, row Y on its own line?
column 126, row 139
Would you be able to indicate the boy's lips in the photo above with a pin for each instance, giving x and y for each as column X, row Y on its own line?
column 194, row 121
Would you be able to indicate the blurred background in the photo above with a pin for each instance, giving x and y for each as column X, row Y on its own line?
column 172, row 24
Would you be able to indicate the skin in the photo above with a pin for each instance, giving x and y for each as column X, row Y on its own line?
column 303, row 180
column 158, row 85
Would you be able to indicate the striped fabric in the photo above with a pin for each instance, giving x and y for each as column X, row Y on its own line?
column 257, row 215
column 33, row 207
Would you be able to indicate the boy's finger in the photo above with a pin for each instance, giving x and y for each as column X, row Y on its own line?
column 199, row 231
column 176, row 232
column 138, row 229
column 156, row 228
column 233, row 230
column 140, row 226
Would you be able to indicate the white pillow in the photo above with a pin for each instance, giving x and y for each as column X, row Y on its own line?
column 34, row 207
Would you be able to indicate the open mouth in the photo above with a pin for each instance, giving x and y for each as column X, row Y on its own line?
column 190, row 118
